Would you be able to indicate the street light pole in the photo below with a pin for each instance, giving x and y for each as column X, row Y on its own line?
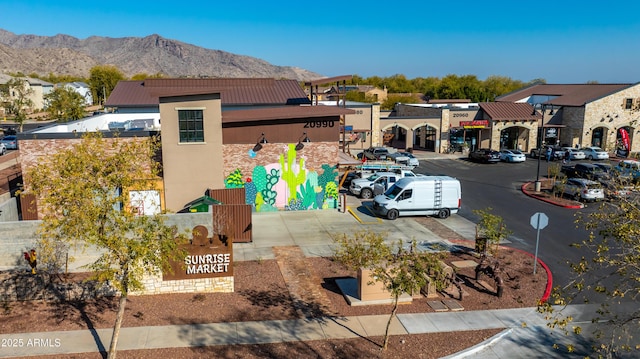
column 538, row 184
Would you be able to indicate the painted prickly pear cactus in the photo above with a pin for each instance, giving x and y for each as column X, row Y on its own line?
column 268, row 194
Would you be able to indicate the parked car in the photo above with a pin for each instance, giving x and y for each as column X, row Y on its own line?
column 557, row 153
column 595, row 153
column 405, row 158
column 576, row 154
column 350, row 176
column 10, row 142
column 613, row 172
column 377, row 183
column 485, row 155
column 374, row 153
column 3, row 149
column 615, row 190
column 580, row 189
column 512, row 156
column 629, row 168
column 585, row 170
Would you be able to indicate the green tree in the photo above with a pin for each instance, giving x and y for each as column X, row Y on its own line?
column 490, row 229
column 142, row 76
column 56, row 79
column 15, row 98
column 65, row 104
column 102, row 80
column 608, row 274
column 500, row 85
column 83, row 195
column 399, row 268
column 393, row 99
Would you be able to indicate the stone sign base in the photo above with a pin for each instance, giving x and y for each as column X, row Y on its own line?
column 155, row 285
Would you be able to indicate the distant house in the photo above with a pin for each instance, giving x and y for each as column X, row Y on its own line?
column 333, row 93
column 82, row 89
column 37, row 88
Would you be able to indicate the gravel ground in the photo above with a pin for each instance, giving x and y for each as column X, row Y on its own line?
column 261, row 294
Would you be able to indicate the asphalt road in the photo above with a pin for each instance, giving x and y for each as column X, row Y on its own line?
column 497, row 186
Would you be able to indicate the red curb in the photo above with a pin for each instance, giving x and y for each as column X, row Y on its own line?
column 576, row 206
column 547, row 290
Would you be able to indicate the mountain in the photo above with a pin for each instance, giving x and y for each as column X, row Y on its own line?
column 64, row 54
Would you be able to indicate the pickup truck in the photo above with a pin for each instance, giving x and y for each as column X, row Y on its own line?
column 404, row 158
column 374, row 154
column 378, row 182
column 585, row 170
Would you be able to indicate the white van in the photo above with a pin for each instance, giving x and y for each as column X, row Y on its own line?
column 420, row 196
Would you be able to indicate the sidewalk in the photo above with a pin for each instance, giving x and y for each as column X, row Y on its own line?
column 278, row 331
column 312, row 232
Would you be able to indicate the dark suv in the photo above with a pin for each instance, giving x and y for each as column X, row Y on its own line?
column 485, row 155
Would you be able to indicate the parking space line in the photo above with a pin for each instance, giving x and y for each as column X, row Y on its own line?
column 359, row 219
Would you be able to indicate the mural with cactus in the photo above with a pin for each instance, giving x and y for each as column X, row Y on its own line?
column 234, row 180
column 292, row 173
column 287, row 184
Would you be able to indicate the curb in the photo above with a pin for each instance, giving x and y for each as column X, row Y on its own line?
column 480, row 346
column 548, row 287
column 576, row 206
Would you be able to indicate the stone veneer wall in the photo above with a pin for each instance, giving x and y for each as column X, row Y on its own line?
column 609, row 112
column 155, row 285
column 527, row 142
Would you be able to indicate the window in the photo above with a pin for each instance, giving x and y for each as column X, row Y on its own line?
column 406, row 195
column 190, row 126
column 628, row 103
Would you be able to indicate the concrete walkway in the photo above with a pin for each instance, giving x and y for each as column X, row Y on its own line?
column 312, row 231
column 277, row 331
column 524, row 336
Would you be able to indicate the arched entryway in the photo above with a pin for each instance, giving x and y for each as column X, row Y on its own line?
column 395, row 136
column 624, row 138
column 517, row 138
column 425, row 138
column 599, row 137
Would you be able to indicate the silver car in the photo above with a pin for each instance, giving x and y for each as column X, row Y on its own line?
column 580, row 189
column 595, row 153
column 10, row 142
column 512, row 156
column 575, row 153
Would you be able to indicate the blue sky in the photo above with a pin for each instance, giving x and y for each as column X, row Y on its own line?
column 561, row 41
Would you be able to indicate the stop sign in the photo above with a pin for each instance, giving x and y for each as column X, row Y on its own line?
column 539, row 220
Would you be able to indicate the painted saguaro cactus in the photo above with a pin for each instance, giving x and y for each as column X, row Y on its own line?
column 289, row 174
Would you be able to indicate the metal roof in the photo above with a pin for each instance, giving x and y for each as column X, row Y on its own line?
column 565, row 95
column 233, row 91
column 508, row 111
column 328, row 80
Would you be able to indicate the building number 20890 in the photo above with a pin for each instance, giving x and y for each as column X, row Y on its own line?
column 313, row 124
